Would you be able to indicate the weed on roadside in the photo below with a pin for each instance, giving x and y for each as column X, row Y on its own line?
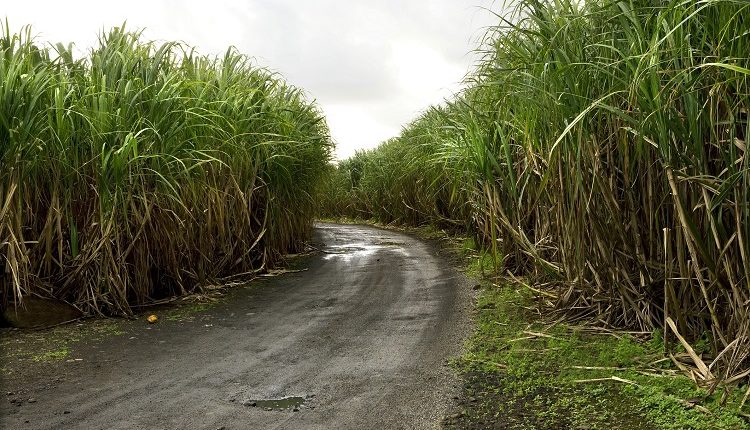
column 25, row 348
column 55, row 355
column 523, row 371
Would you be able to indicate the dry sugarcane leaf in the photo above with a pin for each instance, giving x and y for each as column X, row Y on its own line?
column 744, row 399
column 737, row 377
column 600, row 368
column 611, row 378
column 537, row 334
column 704, row 370
column 690, row 374
column 740, row 144
column 276, row 272
column 723, row 351
column 693, row 404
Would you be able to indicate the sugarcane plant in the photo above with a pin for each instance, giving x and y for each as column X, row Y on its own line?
column 599, row 148
column 145, row 170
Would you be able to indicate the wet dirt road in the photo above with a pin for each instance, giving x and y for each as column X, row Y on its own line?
column 362, row 337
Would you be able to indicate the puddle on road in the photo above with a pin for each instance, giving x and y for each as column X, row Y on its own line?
column 349, row 251
column 361, row 249
column 285, row 403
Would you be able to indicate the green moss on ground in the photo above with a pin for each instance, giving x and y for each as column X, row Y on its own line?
column 188, row 312
column 26, row 348
column 21, row 350
column 54, row 355
column 527, row 372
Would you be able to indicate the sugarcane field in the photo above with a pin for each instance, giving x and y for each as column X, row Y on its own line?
column 476, row 214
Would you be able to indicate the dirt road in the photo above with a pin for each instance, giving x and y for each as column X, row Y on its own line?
column 360, row 339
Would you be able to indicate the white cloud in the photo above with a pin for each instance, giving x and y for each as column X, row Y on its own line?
column 357, row 127
column 371, row 65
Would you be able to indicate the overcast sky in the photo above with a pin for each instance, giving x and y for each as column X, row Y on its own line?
column 372, row 65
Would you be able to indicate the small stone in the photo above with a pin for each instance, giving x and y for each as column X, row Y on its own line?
column 32, row 400
column 296, row 409
column 269, row 409
column 66, row 412
column 221, row 428
column 472, row 399
column 10, row 393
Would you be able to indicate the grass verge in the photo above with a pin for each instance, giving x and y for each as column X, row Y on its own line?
column 524, row 370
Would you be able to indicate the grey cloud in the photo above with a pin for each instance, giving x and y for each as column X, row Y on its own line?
column 334, row 52
column 339, row 50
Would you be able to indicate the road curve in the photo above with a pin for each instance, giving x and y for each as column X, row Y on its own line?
column 362, row 335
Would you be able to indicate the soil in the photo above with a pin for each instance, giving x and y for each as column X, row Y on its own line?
column 361, row 339
column 37, row 312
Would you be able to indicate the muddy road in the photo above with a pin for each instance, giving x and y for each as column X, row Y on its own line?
column 359, row 340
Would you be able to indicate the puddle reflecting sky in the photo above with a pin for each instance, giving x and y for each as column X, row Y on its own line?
column 359, row 249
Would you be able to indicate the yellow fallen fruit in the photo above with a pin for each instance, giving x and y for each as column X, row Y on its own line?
column 152, row 319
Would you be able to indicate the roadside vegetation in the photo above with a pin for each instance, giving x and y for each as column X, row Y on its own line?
column 526, row 367
column 523, row 369
column 599, row 156
column 146, row 170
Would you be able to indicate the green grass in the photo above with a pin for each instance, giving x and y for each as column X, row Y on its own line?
column 188, row 311
column 485, row 263
column 541, row 375
column 56, row 355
